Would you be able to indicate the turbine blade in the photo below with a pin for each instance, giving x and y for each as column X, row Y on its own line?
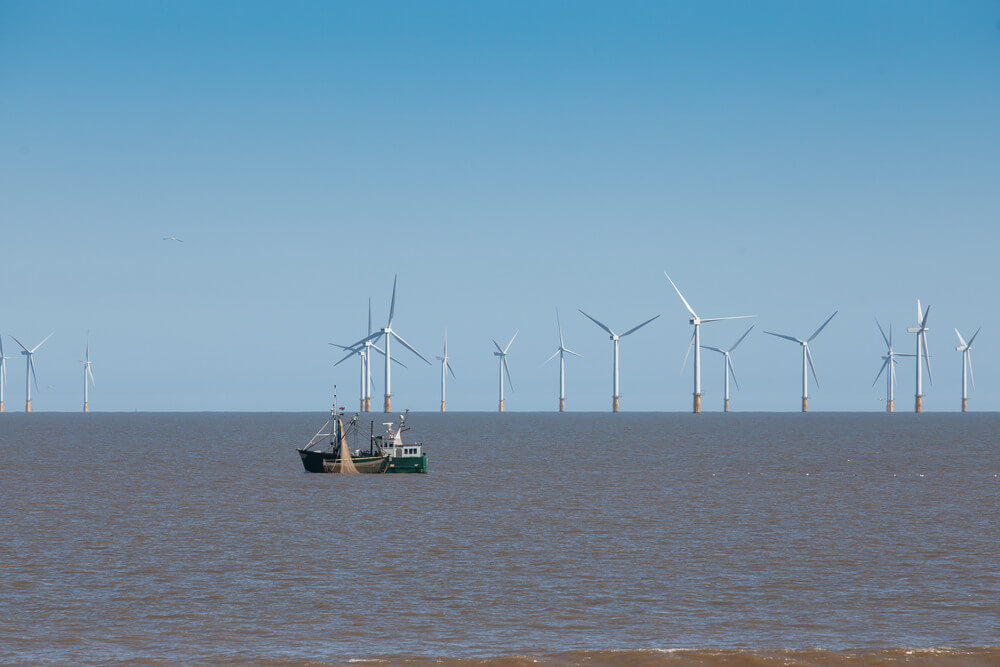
column 559, row 323
column 927, row 355
column 968, row 359
column 961, row 340
column 809, row 356
column 882, row 368
column 732, row 370
column 737, row 343
column 392, row 304
column 634, row 329
column 497, row 346
column 31, row 362
column 684, row 363
column 714, row 349
column 349, row 355
column 686, row 304
column 1, row 347
column 927, row 312
column 566, row 349
column 91, row 374
column 511, row 341
column 890, row 335
column 598, row 323
column 920, row 312
column 969, row 345
column 552, row 357
column 369, row 316
column 719, row 319
column 398, row 362
column 884, row 337
column 822, row 326
column 507, row 368
column 791, row 338
column 43, row 341
column 20, row 343
column 448, row 364
column 409, row 347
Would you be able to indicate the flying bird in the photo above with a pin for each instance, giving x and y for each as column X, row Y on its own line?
column 172, row 238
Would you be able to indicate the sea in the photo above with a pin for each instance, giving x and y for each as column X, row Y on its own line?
column 599, row 539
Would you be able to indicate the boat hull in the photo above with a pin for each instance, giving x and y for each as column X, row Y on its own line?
column 329, row 462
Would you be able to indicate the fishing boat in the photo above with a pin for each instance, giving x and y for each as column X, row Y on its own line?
column 329, row 451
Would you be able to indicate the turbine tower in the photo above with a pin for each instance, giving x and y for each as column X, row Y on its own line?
column 3, row 375
column 388, row 332
column 561, row 351
column 87, row 372
column 363, row 349
column 727, row 367
column 502, row 353
column 889, row 362
column 696, row 342
column 29, row 369
column 806, row 357
column 615, row 338
column 445, row 365
column 921, row 331
column 965, row 349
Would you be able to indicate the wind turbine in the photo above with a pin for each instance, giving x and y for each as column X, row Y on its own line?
column 29, row 369
column 87, row 372
column 727, row 368
column 890, row 364
column 615, row 395
column 389, row 334
column 3, row 374
column 965, row 349
column 561, row 350
column 444, row 365
column 502, row 353
column 363, row 349
column 696, row 342
column 921, row 331
column 806, row 357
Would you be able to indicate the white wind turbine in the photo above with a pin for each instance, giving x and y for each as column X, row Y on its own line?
column 889, row 366
column 727, row 368
column 806, row 357
column 561, row 351
column 696, row 342
column 445, row 365
column 389, row 334
column 363, row 349
column 502, row 353
column 965, row 349
column 921, row 331
column 29, row 369
column 87, row 372
column 616, row 338
column 3, row 375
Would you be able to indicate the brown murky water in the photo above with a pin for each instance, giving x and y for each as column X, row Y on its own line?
column 573, row 538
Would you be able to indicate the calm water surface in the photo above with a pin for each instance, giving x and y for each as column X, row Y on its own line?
column 197, row 537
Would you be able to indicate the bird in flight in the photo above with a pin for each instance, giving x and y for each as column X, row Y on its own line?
column 172, row 238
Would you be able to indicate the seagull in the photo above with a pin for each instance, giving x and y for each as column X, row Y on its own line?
column 172, row 238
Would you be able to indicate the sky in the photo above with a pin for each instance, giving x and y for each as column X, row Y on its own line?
column 780, row 159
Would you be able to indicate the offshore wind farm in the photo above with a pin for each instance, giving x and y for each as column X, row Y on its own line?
column 226, row 224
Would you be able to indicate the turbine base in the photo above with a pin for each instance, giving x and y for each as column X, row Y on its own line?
column 725, row 405
column 805, row 404
column 697, row 403
column 965, row 405
column 388, row 403
column 614, row 403
column 27, row 405
column 501, row 406
column 890, row 406
column 85, row 408
column 1, row 406
column 362, row 408
column 562, row 405
column 919, row 404
column 442, row 406
column 368, row 404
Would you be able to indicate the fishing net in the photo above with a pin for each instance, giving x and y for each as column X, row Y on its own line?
column 345, row 465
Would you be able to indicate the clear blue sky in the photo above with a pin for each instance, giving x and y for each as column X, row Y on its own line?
column 778, row 158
